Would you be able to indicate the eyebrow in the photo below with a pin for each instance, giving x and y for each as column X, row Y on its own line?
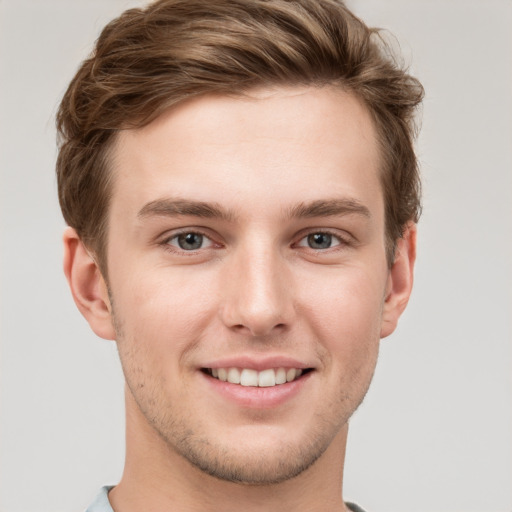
column 329, row 208
column 318, row 208
column 177, row 207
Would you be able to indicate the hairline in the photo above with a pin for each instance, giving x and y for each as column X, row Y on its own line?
column 100, row 246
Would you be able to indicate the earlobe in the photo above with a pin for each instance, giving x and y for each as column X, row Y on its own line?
column 87, row 285
column 400, row 281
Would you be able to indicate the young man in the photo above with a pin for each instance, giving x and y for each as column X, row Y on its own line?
column 241, row 191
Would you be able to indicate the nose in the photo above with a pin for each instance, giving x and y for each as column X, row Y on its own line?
column 257, row 292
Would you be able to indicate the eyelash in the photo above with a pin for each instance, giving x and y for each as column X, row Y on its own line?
column 342, row 241
column 166, row 243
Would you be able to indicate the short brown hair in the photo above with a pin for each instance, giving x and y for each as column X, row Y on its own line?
column 150, row 59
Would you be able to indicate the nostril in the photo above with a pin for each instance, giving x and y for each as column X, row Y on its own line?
column 258, row 330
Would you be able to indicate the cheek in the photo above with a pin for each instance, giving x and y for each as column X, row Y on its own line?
column 347, row 316
column 163, row 311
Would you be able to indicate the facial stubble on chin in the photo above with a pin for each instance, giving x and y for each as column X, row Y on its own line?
column 199, row 450
column 257, row 468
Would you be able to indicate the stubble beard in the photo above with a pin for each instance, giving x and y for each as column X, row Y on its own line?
column 259, row 467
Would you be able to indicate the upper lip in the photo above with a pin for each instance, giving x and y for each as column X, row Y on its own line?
column 257, row 363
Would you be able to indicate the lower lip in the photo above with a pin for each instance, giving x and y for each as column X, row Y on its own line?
column 255, row 397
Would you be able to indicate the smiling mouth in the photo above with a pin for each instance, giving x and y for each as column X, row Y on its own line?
column 253, row 378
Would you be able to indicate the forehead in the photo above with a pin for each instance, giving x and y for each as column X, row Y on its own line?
column 280, row 146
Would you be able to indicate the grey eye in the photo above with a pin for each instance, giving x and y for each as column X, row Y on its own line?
column 319, row 240
column 190, row 241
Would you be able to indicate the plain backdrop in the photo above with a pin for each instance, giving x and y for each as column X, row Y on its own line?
column 435, row 432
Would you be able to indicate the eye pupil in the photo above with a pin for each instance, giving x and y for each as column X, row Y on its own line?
column 190, row 241
column 319, row 240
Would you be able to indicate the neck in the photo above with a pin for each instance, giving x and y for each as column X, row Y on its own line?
column 156, row 478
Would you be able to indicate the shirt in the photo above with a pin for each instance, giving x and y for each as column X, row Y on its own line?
column 101, row 503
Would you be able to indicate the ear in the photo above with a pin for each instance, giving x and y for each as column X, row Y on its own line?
column 400, row 279
column 87, row 285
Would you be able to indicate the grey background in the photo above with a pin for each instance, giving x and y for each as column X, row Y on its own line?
column 434, row 434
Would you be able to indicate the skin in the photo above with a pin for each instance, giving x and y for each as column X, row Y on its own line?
column 257, row 287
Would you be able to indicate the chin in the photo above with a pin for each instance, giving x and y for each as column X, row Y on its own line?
column 257, row 461
column 264, row 468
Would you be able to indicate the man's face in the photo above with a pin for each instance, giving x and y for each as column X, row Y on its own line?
column 249, row 234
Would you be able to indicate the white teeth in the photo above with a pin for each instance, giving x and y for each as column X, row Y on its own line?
column 267, row 378
column 263, row 379
column 234, row 376
column 249, row 377
column 280, row 376
column 290, row 374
